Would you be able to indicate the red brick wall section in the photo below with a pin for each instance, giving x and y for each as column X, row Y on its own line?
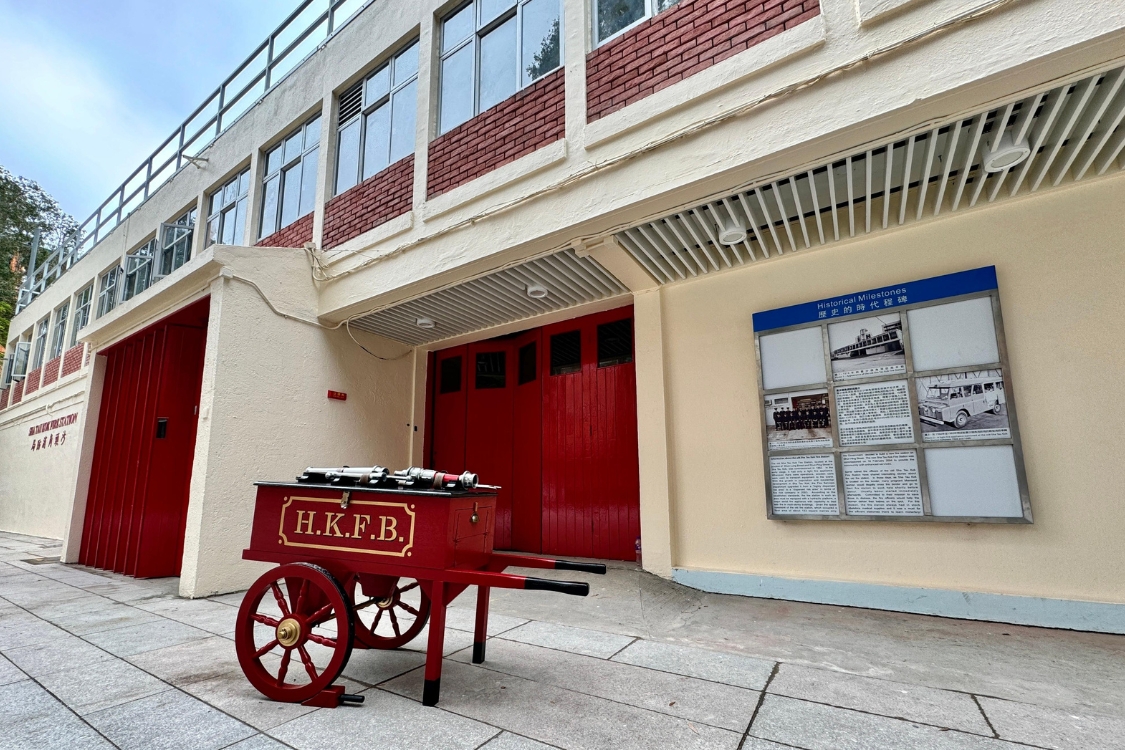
column 31, row 385
column 676, row 44
column 51, row 371
column 294, row 235
column 17, row 393
column 513, row 128
column 4, row 398
column 376, row 200
column 72, row 359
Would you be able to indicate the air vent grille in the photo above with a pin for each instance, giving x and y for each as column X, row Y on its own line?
column 351, row 102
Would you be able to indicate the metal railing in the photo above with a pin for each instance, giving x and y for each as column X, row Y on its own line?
column 298, row 36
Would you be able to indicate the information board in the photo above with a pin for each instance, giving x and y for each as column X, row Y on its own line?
column 892, row 403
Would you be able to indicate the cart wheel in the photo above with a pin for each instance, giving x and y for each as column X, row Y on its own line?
column 294, row 632
column 390, row 621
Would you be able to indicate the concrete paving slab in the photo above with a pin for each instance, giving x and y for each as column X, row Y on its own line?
column 455, row 640
column 34, row 720
column 106, row 616
column 81, row 602
column 730, row 669
column 199, row 613
column 384, row 720
column 818, row 727
column 149, row 636
column 232, row 694
column 373, row 666
column 566, row 638
column 26, row 630
column 168, row 721
column 258, row 742
column 509, row 741
column 55, row 655
column 695, row 700
column 9, row 672
column 462, row 618
column 1051, row 728
column 203, row 659
column 233, row 599
column 910, row 702
column 40, row 592
column 560, row 717
column 86, row 688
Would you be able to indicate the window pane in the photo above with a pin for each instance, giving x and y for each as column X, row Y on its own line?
column 491, row 370
column 269, row 207
column 213, row 231
column 240, row 221
column 615, row 343
column 402, row 126
column 490, row 9
column 614, row 15
column 308, row 181
column 377, row 86
column 230, row 192
column 406, row 64
column 457, row 88
column 347, row 159
column 216, row 202
column 292, row 147
column 456, row 27
column 290, row 195
column 566, row 352
column 244, row 183
column 498, row 64
column 376, row 146
column 662, row 5
column 312, row 133
column 450, row 375
column 540, row 38
column 274, row 159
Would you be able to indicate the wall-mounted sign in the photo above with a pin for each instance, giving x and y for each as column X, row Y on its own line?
column 51, row 433
column 892, row 403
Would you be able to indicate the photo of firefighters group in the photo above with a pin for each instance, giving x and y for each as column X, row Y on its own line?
column 917, row 370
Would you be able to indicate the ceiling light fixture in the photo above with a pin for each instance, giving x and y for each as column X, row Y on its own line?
column 1005, row 155
column 536, row 291
column 425, row 323
column 731, row 232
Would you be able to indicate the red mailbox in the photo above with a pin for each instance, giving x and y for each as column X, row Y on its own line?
column 367, row 567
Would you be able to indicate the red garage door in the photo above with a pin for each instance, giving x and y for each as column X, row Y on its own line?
column 551, row 416
column 137, row 501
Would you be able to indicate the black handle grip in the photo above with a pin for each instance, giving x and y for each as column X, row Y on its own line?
column 574, row 588
column 597, row 568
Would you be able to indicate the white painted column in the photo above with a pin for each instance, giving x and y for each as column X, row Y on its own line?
column 326, row 164
column 91, row 409
column 425, row 125
column 575, row 38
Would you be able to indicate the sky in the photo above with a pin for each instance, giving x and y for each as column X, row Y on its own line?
column 90, row 88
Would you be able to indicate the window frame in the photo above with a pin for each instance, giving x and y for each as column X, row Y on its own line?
column 109, row 290
column 368, row 107
column 217, row 217
column 284, row 169
column 168, row 239
column 650, row 11
column 138, row 265
column 58, row 330
column 474, row 38
column 83, row 307
column 13, row 360
column 42, row 333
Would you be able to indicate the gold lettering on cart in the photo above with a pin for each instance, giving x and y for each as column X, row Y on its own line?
column 298, row 521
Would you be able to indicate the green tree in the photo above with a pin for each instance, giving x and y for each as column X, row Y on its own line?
column 546, row 58
column 24, row 205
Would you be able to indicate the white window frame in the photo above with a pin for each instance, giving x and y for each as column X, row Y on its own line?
column 39, row 348
column 174, row 248
column 137, row 275
column 650, row 11
column 233, row 198
column 83, row 307
column 109, row 290
column 58, row 334
column 474, row 38
column 15, row 364
column 308, row 157
column 371, row 105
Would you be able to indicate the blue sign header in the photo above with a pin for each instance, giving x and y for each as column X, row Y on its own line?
column 910, row 293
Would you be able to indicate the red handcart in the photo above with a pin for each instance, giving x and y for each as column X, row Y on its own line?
column 368, row 567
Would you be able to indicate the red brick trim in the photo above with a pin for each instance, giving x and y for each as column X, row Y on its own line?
column 4, row 398
column 376, row 200
column 31, row 384
column 294, row 235
column 72, row 359
column 529, row 120
column 680, row 42
column 17, row 393
column 51, row 371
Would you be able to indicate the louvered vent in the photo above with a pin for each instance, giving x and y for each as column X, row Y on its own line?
column 351, row 103
column 1072, row 131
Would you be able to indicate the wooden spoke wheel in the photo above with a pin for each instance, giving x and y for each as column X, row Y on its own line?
column 294, row 632
column 393, row 616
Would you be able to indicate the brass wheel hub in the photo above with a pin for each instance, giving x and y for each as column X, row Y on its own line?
column 288, row 632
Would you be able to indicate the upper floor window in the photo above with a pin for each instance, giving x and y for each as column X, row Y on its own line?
column 377, row 117
column 226, row 215
column 175, row 244
column 107, row 290
column 15, row 363
column 138, row 270
column 40, row 347
column 614, row 16
column 83, row 302
column 58, row 336
column 289, row 187
column 492, row 48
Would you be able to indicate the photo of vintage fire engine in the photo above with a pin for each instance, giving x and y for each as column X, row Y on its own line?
column 962, row 400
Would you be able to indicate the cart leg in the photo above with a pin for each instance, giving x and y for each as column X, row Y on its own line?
column 431, row 687
column 480, row 633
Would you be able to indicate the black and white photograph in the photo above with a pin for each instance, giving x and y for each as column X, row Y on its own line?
column 798, row 420
column 867, row 347
column 963, row 406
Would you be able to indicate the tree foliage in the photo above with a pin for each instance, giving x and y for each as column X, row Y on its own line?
column 24, row 205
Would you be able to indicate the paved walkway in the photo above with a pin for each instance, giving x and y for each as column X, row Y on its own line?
column 94, row 660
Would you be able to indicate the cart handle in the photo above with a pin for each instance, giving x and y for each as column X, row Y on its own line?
column 501, row 560
column 598, row 568
column 574, row 588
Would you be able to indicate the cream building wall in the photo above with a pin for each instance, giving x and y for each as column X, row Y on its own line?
column 1061, row 273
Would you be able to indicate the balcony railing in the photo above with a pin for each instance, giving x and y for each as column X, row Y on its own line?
column 306, row 28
